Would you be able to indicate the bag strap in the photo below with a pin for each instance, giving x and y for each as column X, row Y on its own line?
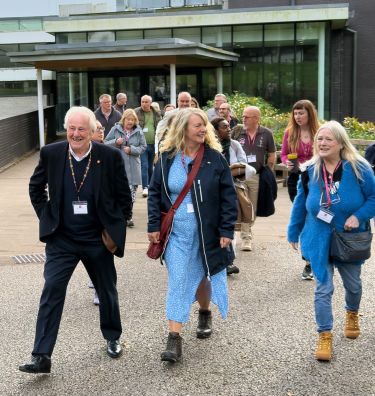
column 191, row 177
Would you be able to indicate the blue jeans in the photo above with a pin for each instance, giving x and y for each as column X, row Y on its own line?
column 147, row 164
column 351, row 278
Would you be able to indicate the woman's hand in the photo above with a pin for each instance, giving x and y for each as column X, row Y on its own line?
column 294, row 245
column 351, row 222
column 290, row 165
column 127, row 150
column 119, row 141
column 154, row 236
column 225, row 242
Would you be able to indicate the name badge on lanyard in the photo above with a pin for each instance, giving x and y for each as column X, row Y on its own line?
column 251, row 158
column 325, row 215
column 80, row 207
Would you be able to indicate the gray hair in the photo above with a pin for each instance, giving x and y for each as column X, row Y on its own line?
column 120, row 96
column 103, row 96
column 81, row 110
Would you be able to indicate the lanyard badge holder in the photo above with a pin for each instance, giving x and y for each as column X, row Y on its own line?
column 329, row 196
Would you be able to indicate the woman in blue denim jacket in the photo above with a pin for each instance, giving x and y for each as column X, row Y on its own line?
column 337, row 189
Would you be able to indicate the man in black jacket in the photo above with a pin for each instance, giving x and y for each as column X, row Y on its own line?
column 81, row 218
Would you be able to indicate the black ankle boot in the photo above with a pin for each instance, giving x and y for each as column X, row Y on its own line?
column 173, row 351
column 204, row 328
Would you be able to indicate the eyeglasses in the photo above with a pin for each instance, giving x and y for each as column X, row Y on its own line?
column 100, row 128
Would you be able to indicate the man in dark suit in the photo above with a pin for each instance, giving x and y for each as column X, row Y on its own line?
column 81, row 218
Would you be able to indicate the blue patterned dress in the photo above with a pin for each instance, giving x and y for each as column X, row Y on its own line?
column 183, row 258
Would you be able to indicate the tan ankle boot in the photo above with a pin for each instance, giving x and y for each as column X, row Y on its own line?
column 351, row 329
column 324, row 347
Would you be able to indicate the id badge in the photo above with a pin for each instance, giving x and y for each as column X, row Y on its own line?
column 325, row 215
column 190, row 208
column 80, row 207
column 251, row 158
column 145, row 130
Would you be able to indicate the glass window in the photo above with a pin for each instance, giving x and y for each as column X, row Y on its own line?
column 94, row 37
column 18, row 88
column 248, row 71
column 69, row 38
column 158, row 33
column 279, row 58
column 247, row 36
column 9, row 26
column 131, row 85
column 307, row 45
column 218, row 36
column 129, row 35
column 4, row 59
column 72, row 91
column 189, row 34
column 31, row 24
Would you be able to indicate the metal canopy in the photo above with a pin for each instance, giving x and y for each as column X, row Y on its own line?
column 123, row 54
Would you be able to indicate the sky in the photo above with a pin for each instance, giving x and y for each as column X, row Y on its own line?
column 27, row 8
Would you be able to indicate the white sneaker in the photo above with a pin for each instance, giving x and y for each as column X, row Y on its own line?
column 96, row 299
column 246, row 245
column 145, row 192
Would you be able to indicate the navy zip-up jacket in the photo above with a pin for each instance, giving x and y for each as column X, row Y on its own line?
column 215, row 205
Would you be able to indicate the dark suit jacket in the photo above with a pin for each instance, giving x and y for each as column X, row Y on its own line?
column 112, row 193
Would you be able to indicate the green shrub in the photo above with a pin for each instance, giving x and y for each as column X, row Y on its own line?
column 359, row 130
column 277, row 122
column 271, row 117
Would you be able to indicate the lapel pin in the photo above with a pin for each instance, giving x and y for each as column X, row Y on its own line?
column 98, row 161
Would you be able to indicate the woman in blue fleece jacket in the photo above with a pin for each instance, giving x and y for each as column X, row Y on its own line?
column 337, row 186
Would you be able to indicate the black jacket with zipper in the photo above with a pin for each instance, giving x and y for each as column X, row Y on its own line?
column 214, row 200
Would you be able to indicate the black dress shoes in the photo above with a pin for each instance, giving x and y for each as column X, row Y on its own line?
column 39, row 364
column 114, row 349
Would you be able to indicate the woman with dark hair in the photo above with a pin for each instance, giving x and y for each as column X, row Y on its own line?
column 297, row 148
column 234, row 154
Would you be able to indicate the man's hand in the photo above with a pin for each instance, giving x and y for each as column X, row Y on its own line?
column 225, row 242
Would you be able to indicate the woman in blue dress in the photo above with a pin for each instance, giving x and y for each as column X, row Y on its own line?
column 197, row 252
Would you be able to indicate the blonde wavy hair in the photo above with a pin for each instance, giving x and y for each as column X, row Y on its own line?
column 348, row 151
column 175, row 138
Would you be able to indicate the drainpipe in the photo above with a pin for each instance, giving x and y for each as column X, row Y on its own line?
column 355, row 50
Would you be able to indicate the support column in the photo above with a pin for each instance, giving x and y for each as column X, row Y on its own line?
column 40, row 107
column 321, row 70
column 71, row 90
column 172, row 71
column 219, row 80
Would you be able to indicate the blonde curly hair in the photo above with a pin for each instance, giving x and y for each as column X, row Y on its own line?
column 175, row 138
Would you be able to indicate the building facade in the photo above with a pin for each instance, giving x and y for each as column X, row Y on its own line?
column 282, row 50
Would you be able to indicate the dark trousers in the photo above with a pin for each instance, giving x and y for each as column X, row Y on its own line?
column 147, row 165
column 292, row 184
column 62, row 257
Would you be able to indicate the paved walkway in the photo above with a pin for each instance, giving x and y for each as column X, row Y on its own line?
column 264, row 348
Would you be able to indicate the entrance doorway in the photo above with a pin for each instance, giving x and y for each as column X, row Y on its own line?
column 136, row 84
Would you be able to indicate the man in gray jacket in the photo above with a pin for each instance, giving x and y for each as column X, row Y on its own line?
column 106, row 114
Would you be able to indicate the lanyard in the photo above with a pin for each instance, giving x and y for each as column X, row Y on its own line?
column 328, row 185
column 84, row 175
column 251, row 141
column 184, row 162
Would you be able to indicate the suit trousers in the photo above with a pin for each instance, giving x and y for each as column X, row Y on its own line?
column 62, row 256
column 252, row 186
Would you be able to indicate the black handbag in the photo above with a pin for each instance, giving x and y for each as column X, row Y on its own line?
column 348, row 247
